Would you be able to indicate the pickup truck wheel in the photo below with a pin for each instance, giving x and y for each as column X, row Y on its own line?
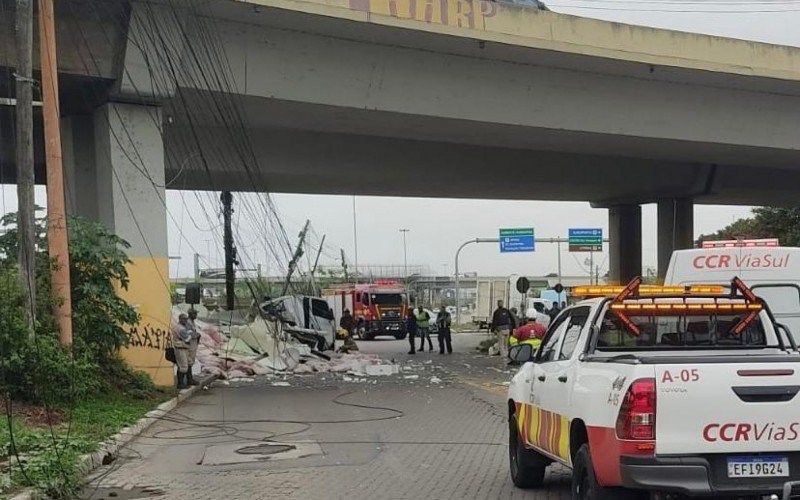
column 584, row 482
column 527, row 466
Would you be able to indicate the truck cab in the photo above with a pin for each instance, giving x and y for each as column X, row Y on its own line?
column 676, row 390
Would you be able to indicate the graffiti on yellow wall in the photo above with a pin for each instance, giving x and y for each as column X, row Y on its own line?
column 148, row 337
column 457, row 13
column 149, row 294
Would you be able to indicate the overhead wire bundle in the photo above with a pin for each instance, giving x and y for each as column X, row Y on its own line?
column 202, row 123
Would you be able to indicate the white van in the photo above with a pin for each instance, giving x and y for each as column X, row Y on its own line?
column 772, row 272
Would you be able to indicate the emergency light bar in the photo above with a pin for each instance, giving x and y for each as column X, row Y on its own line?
column 685, row 308
column 764, row 242
column 602, row 291
column 622, row 304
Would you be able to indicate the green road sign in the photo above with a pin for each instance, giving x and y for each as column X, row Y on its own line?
column 586, row 240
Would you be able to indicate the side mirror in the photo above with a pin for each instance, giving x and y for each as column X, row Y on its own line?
column 521, row 353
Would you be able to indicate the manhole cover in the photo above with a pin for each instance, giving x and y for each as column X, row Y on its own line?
column 266, row 449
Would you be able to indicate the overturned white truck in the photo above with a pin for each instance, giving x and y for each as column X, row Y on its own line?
column 310, row 320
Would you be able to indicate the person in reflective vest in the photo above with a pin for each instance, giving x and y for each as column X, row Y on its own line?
column 423, row 329
column 529, row 333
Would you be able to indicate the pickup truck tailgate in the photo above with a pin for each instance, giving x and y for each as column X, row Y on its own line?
column 711, row 407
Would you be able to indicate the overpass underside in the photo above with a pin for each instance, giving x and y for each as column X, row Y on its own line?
column 441, row 98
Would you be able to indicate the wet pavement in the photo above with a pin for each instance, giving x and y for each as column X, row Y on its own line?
column 437, row 429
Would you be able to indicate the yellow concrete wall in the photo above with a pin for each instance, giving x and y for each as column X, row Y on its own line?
column 149, row 294
column 516, row 25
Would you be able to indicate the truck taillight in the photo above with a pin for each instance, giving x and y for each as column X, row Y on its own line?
column 637, row 415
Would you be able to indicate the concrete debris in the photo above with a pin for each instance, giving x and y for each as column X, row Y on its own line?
column 411, row 377
column 261, row 349
column 436, row 380
column 236, row 374
column 281, row 384
column 380, row 370
column 242, row 379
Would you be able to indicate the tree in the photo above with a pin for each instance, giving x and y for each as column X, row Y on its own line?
column 98, row 269
column 767, row 222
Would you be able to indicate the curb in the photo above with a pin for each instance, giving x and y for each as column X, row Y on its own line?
column 109, row 449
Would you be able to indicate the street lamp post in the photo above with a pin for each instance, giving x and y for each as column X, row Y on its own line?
column 405, row 257
column 496, row 240
column 458, row 297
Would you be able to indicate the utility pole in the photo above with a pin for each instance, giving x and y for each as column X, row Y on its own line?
column 296, row 257
column 58, row 240
column 355, row 239
column 405, row 256
column 24, row 158
column 316, row 263
column 196, row 266
column 230, row 251
column 344, row 265
column 319, row 252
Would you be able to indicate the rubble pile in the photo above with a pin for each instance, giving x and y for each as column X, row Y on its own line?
column 259, row 348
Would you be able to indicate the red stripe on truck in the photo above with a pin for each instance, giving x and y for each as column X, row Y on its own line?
column 606, row 450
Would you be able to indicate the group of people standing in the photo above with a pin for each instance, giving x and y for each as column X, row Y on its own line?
column 506, row 321
column 184, row 341
column 418, row 324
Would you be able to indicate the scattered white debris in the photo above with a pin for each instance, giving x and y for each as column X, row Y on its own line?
column 380, row 370
column 436, row 380
column 411, row 377
column 428, row 361
column 242, row 379
column 281, row 384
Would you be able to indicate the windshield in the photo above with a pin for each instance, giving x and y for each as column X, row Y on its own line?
column 387, row 299
column 679, row 331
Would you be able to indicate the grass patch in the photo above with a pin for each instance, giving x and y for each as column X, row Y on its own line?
column 35, row 454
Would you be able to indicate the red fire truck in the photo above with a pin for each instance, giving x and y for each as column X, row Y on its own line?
column 379, row 308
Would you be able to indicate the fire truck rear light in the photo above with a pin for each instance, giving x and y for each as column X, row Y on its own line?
column 637, row 414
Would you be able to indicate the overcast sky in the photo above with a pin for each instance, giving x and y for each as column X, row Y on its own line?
column 438, row 226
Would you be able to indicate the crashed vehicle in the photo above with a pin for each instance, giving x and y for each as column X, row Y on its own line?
column 309, row 320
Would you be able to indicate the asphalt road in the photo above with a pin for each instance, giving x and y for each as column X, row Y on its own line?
column 439, row 435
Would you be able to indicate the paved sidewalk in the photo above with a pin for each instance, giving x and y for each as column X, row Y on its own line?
column 392, row 438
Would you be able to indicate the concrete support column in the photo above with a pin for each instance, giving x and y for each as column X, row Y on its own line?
column 675, row 229
column 80, row 172
column 129, row 155
column 625, row 242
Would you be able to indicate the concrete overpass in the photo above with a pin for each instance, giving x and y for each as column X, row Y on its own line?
column 448, row 98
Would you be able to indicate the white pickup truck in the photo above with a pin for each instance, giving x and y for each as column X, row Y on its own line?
column 659, row 392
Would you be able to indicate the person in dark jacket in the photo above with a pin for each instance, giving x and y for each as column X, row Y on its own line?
column 347, row 322
column 411, row 329
column 443, row 322
column 553, row 312
column 503, row 323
